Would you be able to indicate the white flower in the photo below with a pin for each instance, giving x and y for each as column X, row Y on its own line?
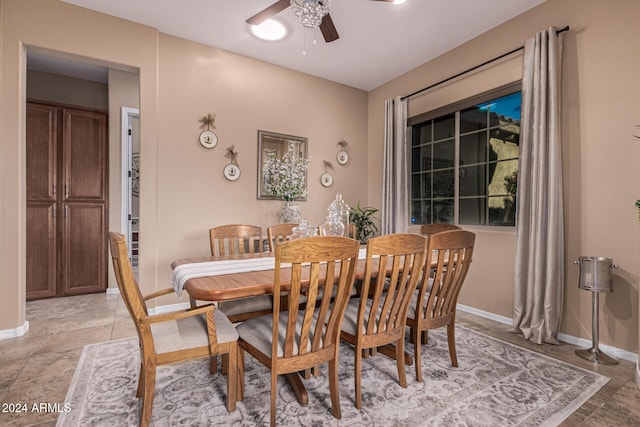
column 285, row 177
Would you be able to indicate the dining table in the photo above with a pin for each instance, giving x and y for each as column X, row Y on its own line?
column 248, row 279
column 232, row 277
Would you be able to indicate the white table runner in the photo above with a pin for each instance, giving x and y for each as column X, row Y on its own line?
column 184, row 272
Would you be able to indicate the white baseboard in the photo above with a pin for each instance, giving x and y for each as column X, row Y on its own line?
column 485, row 314
column 113, row 291
column 611, row 351
column 16, row 332
column 569, row 339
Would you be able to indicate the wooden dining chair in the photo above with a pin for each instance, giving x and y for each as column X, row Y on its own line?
column 300, row 339
column 239, row 239
column 279, row 233
column 392, row 269
column 235, row 239
column 427, row 229
column 434, row 305
column 172, row 337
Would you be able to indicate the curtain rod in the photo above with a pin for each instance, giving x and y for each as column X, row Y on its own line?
column 562, row 30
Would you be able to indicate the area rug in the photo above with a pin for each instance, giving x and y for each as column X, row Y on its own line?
column 496, row 383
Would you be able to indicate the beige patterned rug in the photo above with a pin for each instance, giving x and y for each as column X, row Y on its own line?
column 496, row 384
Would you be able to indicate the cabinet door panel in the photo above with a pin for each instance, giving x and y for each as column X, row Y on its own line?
column 41, row 133
column 85, row 155
column 84, row 249
column 41, row 250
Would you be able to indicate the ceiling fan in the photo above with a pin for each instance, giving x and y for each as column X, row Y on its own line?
column 329, row 31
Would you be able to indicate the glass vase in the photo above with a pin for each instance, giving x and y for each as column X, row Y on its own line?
column 332, row 226
column 342, row 210
column 291, row 212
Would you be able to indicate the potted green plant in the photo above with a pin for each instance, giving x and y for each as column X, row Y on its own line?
column 364, row 220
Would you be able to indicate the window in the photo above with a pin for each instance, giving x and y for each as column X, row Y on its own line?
column 464, row 161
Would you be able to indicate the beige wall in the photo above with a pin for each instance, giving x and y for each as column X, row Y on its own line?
column 601, row 106
column 245, row 95
column 124, row 91
column 66, row 90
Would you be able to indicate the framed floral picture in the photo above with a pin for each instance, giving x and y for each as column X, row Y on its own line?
column 282, row 166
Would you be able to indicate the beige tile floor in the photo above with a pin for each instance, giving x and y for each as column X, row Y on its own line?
column 38, row 367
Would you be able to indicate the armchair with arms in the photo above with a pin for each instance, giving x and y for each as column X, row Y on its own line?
column 172, row 337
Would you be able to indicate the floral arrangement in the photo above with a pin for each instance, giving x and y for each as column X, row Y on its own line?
column 286, row 177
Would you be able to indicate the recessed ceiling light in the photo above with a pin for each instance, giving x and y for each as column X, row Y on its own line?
column 270, row 30
column 398, row 1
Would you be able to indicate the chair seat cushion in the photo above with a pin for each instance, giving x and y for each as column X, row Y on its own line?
column 247, row 305
column 191, row 332
column 411, row 312
column 258, row 332
column 349, row 323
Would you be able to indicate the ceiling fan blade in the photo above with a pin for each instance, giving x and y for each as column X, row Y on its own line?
column 267, row 13
column 329, row 31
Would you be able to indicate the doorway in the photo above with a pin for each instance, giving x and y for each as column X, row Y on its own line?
column 130, row 120
column 59, row 77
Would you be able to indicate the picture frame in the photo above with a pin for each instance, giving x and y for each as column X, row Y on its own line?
column 277, row 144
column 326, row 179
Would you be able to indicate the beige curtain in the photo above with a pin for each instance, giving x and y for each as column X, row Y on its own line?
column 539, row 273
column 395, row 188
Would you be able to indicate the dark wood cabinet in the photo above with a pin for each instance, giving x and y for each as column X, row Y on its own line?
column 67, row 200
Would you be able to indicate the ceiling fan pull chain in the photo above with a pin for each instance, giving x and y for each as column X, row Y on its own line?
column 304, row 41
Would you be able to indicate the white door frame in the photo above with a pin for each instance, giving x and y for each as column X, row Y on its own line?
column 126, row 144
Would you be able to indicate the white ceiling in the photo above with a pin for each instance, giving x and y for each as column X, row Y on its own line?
column 378, row 41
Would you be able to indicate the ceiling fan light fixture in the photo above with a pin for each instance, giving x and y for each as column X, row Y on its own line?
column 310, row 12
column 270, row 30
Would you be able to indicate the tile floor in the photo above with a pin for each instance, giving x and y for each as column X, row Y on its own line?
column 38, row 367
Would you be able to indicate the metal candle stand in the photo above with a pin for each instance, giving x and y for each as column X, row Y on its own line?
column 595, row 276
